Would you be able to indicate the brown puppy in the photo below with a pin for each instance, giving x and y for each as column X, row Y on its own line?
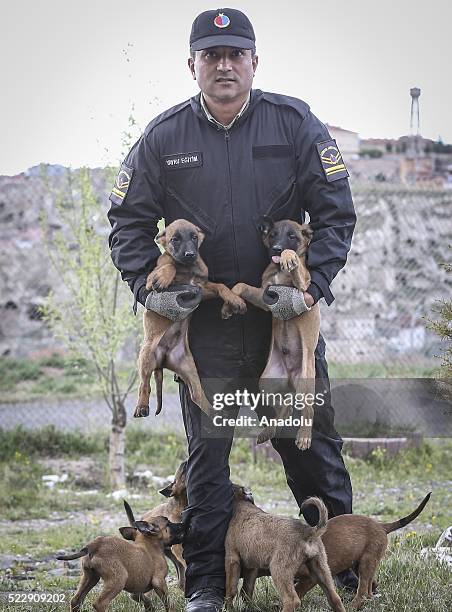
column 256, row 539
column 177, row 503
column 172, row 509
column 136, row 567
column 291, row 362
column 165, row 343
column 350, row 540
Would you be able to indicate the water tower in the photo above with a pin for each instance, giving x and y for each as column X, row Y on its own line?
column 415, row 138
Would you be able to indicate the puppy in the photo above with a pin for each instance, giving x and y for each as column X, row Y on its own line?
column 257, row 540
column 173, row 508
column 137, row 567
column 176, row 492
column 165, row 343
column 291, row 362
column 354, row 540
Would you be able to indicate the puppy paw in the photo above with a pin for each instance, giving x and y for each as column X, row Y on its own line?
column 226, row 311
column 357, row 603
column 141, row 411
column 303, row 440
column 236, row 303
column 289, row 260
column 160, row 278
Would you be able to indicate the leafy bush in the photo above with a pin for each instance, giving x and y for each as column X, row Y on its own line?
column 162, row 449
column 13, row 371
column 48, row 441
column 372, row 153
column 20, row 481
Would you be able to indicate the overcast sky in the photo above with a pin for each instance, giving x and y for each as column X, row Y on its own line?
column 71, row 71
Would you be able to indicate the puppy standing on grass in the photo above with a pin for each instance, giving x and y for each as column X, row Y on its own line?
column 176, row 492
column 354, row 540
column 165, row 343
column 291, row 362
column 258, row 540
column 136, row 567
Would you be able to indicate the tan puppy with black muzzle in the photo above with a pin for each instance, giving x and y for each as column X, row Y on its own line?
column 350, row 540
column 136, row 566
column 291, row 362
column 165, row 343
column 258, row 540
column 176, row 492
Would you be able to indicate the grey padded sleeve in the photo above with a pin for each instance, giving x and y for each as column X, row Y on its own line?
column 175, row 303
column 284, row 302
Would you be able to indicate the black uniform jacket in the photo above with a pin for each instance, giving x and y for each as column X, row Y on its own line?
column 268, row 163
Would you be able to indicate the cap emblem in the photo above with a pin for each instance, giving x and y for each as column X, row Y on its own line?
column 221, row 20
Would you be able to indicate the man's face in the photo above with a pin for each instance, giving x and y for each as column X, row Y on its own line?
column 224, row 73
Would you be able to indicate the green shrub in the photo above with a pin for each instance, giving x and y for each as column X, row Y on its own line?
column 372, row 153
column 48, row 441
column 407, row 460
column 160, row 449
column 13, row 371
column 55, row 360
column 20, row 482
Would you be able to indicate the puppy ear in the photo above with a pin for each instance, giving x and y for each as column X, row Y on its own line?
column 201, row 235
column 129, row 513
column 168, row 491
column 147, row 528
column 161, row 237
column 265, row 224
column 307, row 231
column 128, row 533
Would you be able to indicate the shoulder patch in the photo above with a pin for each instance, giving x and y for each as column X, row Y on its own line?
column 122, row 184
column 331, row 159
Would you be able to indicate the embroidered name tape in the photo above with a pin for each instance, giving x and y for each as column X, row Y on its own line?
column 331, row 160
column 122, row 184
column 182, row 160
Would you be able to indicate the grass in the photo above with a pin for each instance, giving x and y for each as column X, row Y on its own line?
column 65, row 377
column 43, row 521
column 58, row 376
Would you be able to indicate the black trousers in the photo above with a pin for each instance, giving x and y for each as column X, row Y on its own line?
column 320, row 470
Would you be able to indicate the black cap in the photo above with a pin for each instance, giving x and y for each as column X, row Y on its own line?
column 224, row 27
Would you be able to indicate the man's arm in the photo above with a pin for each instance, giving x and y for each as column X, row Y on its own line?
column 325, row 195
column 136, row 208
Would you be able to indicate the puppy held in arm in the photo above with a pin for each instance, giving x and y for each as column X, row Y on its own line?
column 165, row 343
column 291, row 362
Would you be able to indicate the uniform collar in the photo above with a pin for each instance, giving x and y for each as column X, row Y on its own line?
column 217, row 123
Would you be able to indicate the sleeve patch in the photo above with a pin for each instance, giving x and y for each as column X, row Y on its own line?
column 122, row 184
column 331, row 159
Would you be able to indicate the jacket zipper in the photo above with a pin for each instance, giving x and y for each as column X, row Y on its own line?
column 234, row 242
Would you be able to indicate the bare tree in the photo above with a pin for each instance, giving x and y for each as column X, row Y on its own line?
column 91, row 314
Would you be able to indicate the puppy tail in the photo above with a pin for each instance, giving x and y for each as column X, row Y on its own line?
column 158, row 376
column 388, row 527
column 80, row 553
column 319, row 529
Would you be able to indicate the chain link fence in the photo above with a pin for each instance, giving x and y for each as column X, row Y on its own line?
column 376, row 326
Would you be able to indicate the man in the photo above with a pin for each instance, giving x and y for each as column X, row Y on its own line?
column 221, row 160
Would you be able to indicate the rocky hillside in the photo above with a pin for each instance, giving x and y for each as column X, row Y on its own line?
column 26, row 275
column 393, row 276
